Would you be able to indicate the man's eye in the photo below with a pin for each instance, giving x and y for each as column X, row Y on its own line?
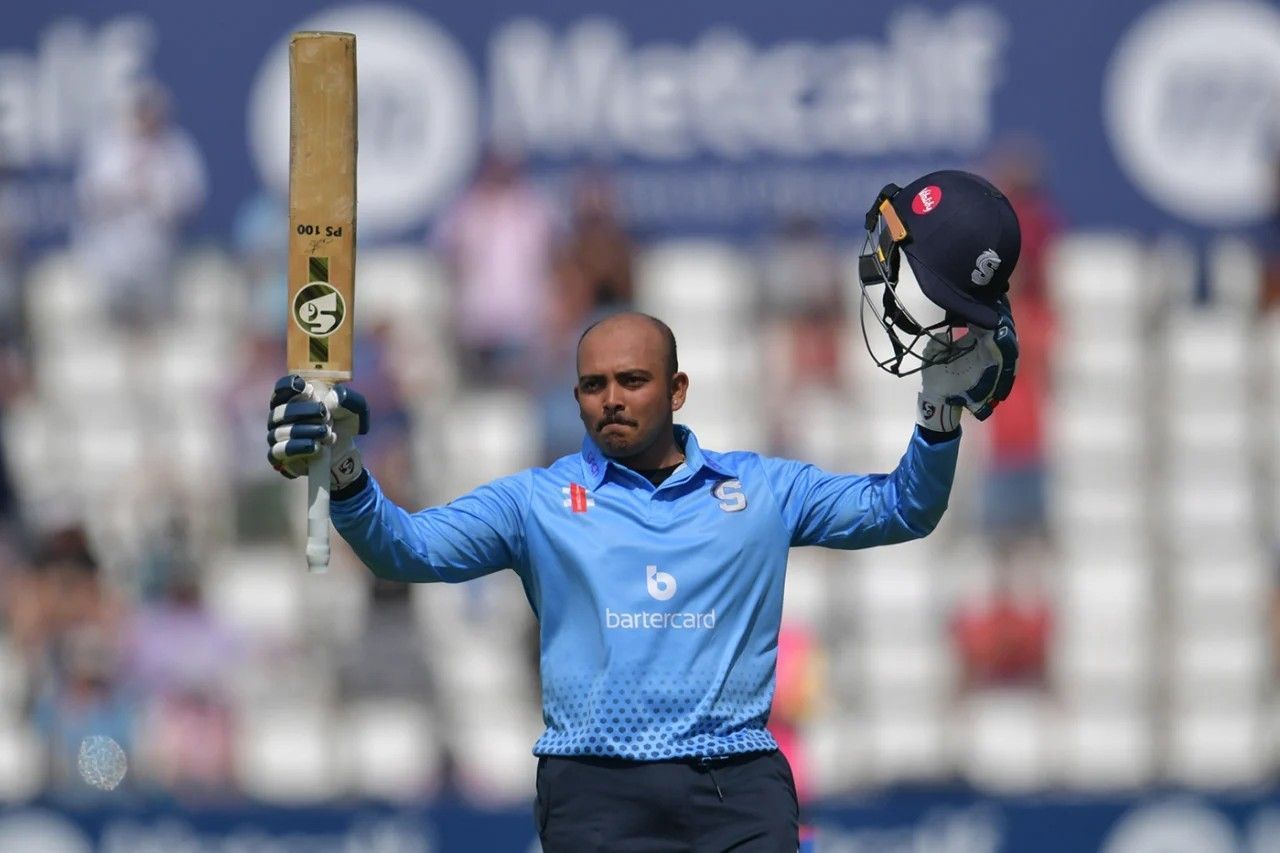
column 633, row 381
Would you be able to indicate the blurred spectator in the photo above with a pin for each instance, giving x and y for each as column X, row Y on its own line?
column 259, row 236
column 596, row 263
column 497, row 241
column 137, row 186
column 66, row 623
column 1270, row 245
column 62, row 593
column 1002, row 639
column 594, row 276
column 1016, row 476
column 180, row 660
column 259, row 495
column 799, row 688
column 386, row 660
column 13, row 342
column 388, row 449
column 82, row 699
column 801, row 304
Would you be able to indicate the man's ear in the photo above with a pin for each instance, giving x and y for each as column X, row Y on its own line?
column 679, row 387
column 575, row 395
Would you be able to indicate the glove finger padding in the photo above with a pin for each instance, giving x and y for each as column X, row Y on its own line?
column 289, row 388
column 299, row 426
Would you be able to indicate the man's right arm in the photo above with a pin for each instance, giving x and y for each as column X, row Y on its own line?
column 477, row 534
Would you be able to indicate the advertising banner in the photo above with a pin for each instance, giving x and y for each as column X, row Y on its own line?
column 721, row 118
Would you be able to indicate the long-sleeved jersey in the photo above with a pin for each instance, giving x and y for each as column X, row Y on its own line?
column 659, row 607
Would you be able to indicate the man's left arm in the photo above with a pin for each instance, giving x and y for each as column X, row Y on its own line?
column 850, row 511
column 864, row 510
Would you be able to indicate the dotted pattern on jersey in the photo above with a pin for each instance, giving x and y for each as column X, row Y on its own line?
column 644, row 716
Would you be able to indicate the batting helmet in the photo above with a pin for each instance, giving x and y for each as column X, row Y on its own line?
column 961, row 239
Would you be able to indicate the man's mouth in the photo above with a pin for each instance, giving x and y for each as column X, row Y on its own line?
column 614, row 422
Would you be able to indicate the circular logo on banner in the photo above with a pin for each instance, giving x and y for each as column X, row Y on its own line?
column 1190, row 103
column 418, row 121
column 44, row 831
column 926, row 200
column 319, row 309
column 1178, row 826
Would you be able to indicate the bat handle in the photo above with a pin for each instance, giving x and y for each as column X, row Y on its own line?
column 318, row 502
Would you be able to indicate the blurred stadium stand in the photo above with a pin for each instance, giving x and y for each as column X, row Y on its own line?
column 1163, row 490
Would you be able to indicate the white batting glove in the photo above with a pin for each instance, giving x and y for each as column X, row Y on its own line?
column 299, row 425
column 978, row 380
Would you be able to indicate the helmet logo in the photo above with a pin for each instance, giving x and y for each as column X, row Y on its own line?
column 987, row 264
column 926, row 200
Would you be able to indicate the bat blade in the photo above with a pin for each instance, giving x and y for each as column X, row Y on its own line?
column 322, row 236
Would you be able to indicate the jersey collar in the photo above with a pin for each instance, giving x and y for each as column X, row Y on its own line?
column 595, row 465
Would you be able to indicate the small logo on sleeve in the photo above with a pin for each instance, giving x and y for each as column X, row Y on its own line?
column 577, row 498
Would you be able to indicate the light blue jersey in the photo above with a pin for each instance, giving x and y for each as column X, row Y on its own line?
column 659, row 607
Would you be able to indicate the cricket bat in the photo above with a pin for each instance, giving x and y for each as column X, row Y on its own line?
column 322, row 236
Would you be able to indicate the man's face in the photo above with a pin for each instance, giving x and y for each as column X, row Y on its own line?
column 626, row 397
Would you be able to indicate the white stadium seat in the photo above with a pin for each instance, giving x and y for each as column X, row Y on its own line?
column 486, row 435
column 807, row 598
column 1210, row 670
column 896, row 588
column 692, row 277
column 257, row 591
column 1218, row 745
column 23, row 764
column 392, row 750
column 1007, row 744
column 922, row 672
column 1099, row 276
column 288, row 754
column 1106, row 748
column 906, row 742
column 495, row 765
column 835, row 748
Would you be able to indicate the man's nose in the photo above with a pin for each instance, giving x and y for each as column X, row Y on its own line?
column 612, row 399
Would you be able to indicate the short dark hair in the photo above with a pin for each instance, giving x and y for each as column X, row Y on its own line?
column 673, row 362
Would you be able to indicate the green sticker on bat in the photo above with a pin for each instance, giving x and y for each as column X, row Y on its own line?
column 319, row 309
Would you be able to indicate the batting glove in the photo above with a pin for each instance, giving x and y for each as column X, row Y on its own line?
column 299, row 425
column 979, row 380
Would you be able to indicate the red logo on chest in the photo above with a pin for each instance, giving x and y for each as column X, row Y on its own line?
column 578, row 498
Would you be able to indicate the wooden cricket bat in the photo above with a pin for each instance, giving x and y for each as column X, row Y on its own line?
column 322, row 236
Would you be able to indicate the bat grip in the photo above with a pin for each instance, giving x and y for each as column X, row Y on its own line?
column 318, row 502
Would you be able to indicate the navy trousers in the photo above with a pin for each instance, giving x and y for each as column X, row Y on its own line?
column 745, row 803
